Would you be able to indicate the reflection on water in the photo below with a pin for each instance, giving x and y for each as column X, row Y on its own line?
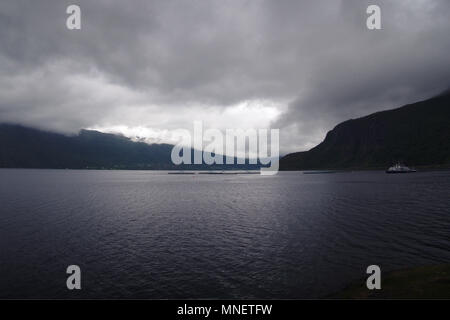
column 142, row 234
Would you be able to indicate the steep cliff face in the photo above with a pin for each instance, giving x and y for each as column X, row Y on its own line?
column 417, row 134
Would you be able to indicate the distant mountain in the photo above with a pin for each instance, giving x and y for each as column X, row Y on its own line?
column 417, row 134
column 22, row 147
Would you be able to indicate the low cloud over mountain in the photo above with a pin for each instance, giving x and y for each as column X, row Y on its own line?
column 301, row 66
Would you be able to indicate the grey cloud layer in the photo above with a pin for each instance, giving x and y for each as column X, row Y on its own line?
column 133, row 57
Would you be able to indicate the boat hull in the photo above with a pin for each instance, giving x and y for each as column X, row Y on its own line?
column 400, row 171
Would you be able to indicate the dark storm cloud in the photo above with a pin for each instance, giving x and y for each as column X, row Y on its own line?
column 364, row 71
column 147, row 63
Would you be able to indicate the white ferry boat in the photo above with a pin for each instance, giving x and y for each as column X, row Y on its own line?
column 400, row 168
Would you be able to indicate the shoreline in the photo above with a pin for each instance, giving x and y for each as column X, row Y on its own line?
column 328, row 170
column 423, row 282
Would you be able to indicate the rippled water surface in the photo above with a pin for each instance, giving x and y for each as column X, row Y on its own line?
column 142, row 234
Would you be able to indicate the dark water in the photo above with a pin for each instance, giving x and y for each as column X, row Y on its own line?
column 152, row 235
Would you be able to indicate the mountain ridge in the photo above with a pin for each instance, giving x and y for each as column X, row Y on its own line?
column 24, row 147
column 417, row 134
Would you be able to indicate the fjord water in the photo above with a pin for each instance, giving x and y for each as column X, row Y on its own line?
column 144, row 234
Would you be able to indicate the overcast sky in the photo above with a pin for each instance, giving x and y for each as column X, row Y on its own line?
column 144, row 68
